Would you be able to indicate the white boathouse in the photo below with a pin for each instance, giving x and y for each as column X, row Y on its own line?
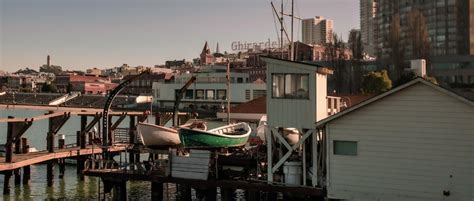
column 296, row 98
column 414, row 142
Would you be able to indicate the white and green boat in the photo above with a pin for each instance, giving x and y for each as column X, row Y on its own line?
column 232, row 135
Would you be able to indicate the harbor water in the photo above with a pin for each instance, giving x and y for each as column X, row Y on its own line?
column 70, row 187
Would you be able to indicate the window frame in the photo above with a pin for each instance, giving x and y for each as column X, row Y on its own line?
column 344, row 155
column 284, row 86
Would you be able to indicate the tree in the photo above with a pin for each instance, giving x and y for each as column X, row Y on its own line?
column 27, row 71
column 357, row 49
column 334, row 55
column 69, row 88
column 56, row 70
column 397, row 49
column 49, row 87
column 376, row 82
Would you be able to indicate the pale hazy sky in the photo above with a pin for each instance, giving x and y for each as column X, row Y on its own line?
column 80, row 34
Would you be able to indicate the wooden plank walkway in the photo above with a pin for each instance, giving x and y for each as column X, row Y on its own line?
column 119, row 175
column 21, row 160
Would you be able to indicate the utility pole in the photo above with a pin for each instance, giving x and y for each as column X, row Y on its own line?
column 281, row 30
column 292, row 48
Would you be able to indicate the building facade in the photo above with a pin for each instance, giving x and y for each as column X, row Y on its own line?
column 368, row 9
column 411, row 143
column 449, row 25
column 317, row 30
column 209, row 90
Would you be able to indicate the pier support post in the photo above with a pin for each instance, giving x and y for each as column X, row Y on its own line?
column 253, row 195
column 62, row 168
column 17, row 174
column 120, row 191
column 185, row 192
column 50, row 172
column 8, row 145
column 227, row 194
column 271, row 196
column 131, row 133
column 6, row 183
column 24, row 145
column 156, row 191
column 82, row 135
column 211, row 194
column 26, row 174
column 79, row 167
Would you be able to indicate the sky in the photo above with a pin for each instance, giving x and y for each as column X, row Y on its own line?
column 80, row 34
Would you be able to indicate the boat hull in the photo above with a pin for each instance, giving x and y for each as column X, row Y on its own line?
column 158, row 136
column 207, row 139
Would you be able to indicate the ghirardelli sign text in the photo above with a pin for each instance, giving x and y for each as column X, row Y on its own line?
column 238, row 45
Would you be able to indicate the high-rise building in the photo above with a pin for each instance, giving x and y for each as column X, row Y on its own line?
column 450, row 25
column 317, row 30
column 450, row 30
column 368, row 10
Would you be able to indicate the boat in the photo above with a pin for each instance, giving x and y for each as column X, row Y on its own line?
column 232, row 135
column 161, row 136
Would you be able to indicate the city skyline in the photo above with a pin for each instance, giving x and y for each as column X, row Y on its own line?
column 104, row 34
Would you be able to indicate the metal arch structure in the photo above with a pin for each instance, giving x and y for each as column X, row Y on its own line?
column 178, row 98
column 108, row 104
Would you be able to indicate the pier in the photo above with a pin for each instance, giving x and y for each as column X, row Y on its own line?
column 17, row 156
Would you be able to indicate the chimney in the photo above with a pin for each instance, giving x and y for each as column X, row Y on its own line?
column 47, row 61
column 418, row 66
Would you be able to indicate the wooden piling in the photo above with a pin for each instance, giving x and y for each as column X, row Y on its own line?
column 211, row 194
column 6, row 182
column 17, row 176
column 253, row 195
column 185, row 192
column 18, row 147
column 156, row 191
column 82, row 137
column 227, row 194
column 8, row 145
column 271, row 196
column 131, row 133
column 120, row 190
column 24, row 145
column 26, row 174
column 50, row 172
column 81, row 142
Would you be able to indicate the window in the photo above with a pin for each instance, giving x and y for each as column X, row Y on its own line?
column 157, row 93
column 258, row 93
column 221, row 94
column 247, row 94
column 292, row 86
column 189, row 94
column 347, row 148
column 240, row 80
column 210, row 94
column 199, row 94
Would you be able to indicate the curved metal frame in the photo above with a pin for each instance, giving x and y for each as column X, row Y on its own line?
column 108, row 104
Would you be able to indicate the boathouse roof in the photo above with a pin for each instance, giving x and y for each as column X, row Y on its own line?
column 392, row 91
column 319, row 68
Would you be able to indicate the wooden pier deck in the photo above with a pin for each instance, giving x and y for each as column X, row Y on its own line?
column 129, row 175
column 22, row 160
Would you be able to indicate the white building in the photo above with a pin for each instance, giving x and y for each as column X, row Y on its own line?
column 414, row 142
column 208, row 91
column 296, row 98
column 317, row 30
